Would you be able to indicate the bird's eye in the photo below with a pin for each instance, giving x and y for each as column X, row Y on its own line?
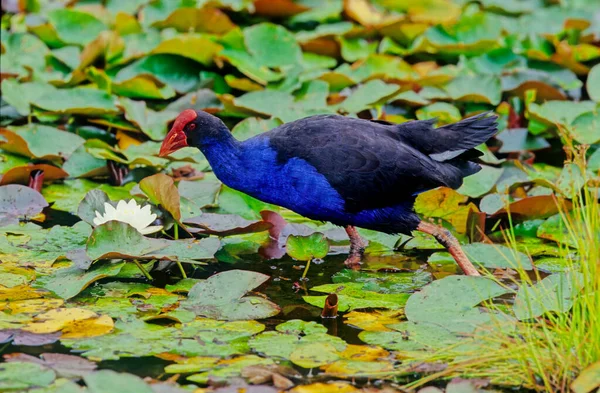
column 191, row 126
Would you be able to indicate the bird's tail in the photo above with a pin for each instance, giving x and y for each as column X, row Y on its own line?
column 450, row 141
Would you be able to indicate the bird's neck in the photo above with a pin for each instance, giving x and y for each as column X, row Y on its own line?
column 224, row 156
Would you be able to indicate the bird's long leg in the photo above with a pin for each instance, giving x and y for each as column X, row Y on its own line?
column 357, row 248
column 446, row 239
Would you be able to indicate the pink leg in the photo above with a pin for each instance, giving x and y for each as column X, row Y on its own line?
column 357, row 248
column 446, row 239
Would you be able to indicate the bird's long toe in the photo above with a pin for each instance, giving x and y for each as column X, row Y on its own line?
column 354, row 261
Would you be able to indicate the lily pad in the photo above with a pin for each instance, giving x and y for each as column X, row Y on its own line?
column 352, row 296
column 272, row 45
column 452, row 302
column 20, row 376
column 68, row 282
column 555, row 293
column 305, row 248
column 17, row 201
column 119, row 240
column 221, row 296
column 225, row 224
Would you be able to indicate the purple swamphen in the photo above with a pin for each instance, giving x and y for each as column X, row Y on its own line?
column 348, row 171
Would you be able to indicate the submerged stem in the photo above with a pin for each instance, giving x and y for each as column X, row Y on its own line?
column 143, row 270
column 180, row 266
column 306, row 269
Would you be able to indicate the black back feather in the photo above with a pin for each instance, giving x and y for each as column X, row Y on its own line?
column 374, row 165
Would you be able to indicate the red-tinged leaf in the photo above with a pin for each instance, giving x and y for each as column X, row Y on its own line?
column 21, row 174
column 161, row 190
column 225, row 224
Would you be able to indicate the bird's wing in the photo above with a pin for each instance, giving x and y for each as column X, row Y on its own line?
column 363, row 161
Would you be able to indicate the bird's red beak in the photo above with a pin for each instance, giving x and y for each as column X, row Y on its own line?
column 174, row 141
column 176, row 138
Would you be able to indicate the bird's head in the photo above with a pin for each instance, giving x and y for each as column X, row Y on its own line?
column 192, row 128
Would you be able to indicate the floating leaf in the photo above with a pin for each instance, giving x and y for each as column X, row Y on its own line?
column 78, row 100
column 480, row 183
column 384, row 282
column 305, row 248
column 116, row 239
column 476, row 88
column 272, row 45
column 588, row 380
column 75, row 26
column 352, row 296
column 17, row 201
column 225, row 224
column 178, row 72
column 186, row 45
column 68, row 282
column 367, row 95
column 109, row 381
column 460, row 314
column 586, row 127
column 496, row 256
column 20, row 376
column 154, row 124
column 447, row 204
column 555, row 293
column 593, row 82
column 221, row 296
column 161, row 190
column 21, row 174
column 40, row 141
column 65, row 366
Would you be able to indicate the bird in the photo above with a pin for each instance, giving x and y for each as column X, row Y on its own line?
column 349, row 171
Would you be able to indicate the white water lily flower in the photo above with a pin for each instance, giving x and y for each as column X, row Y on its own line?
column 130, row 213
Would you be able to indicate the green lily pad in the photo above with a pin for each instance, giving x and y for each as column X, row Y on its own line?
column 314, row 355
column 480, row 183
column 272, row 45
column 21, row 95
column 78, row 100
column 229, row 369
column 593, row 83
column 284, row 105
column 305, row 248
column 68, row 282
column 352, row 296
column 292, row 335
column 385, row 282
column 20, row 376
column 475, row 88
column 496, row 256
column 40, row 141
column 109, row 381
column 82, row 164
column 116, row 239
column 180, row 73
column 221, row 296
column 452, row 302
column 202, row 337
column 368, row 95
column 75, row 26
column 154, row 124
column 411, row 336
column 586, row 127
column 187, row 45
column 555, row 293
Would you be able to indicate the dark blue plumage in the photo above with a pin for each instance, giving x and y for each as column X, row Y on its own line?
column 348, row 171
